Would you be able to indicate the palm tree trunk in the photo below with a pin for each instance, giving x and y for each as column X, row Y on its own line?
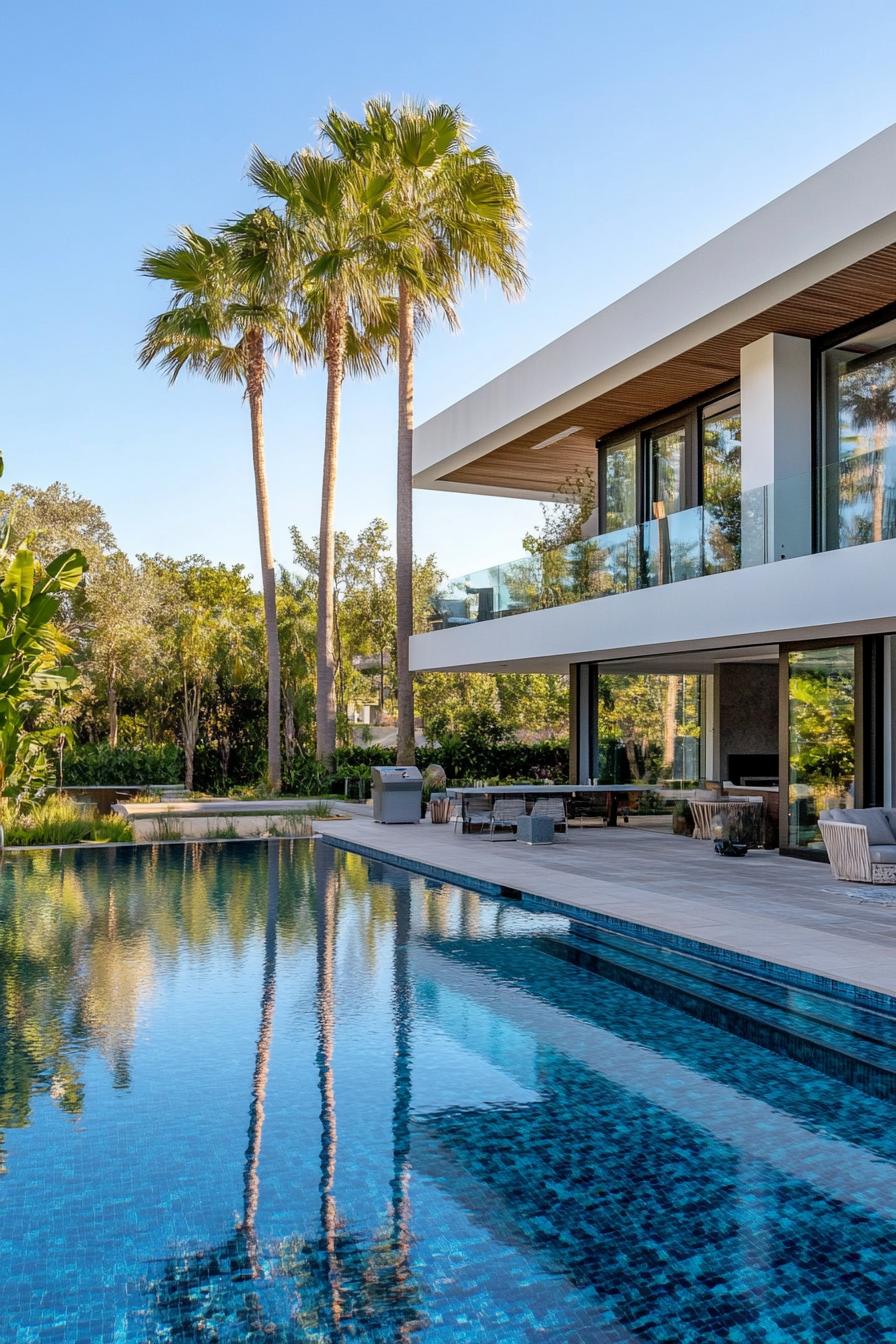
column 255, row 390
column 189, row 723
column 326, row 663
column 404, row 529
column 112, row 703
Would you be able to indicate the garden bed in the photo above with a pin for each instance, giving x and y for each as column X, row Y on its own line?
column 223, row 818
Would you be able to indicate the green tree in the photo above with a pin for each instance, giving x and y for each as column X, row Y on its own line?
column 204, row 617
column 121, row 610
column 460, row 222
column 57, row 519
column 228, row 316
column 337, row 224
column 36, row 671
column 297, row 609
column 364, row 604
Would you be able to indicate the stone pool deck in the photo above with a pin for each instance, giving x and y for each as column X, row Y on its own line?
column 782, row 910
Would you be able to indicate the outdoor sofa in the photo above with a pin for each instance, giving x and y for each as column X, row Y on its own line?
column 861, row 843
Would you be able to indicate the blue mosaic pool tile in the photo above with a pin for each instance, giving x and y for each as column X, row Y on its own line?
column 283, row 1092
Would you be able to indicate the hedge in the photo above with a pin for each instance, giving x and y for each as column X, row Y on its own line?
column 98, row 763
column 465, row 757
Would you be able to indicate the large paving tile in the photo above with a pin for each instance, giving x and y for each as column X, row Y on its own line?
column 766, row 906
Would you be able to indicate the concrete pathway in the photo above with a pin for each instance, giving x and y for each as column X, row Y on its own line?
column 783, row 910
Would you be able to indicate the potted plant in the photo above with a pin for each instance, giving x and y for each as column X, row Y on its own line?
column 682, row 818
column 434, row 781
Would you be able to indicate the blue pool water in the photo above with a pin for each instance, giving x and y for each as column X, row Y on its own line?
column 275, row 1091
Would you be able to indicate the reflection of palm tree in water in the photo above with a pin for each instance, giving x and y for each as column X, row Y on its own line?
column 206, row 1290
column 370, row 1282
column 343, row 1283
column 401, row 1100
column 325, row 882
column 262, row 1061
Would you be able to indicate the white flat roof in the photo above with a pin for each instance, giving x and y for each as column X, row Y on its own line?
column 832, row 219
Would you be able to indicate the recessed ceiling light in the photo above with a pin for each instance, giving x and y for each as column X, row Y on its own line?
column 555, row 438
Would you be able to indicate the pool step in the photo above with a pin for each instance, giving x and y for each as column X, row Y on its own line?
column 868, row 1023
column 855, row 1045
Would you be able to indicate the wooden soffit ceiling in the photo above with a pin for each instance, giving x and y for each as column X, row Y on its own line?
column 841, row 298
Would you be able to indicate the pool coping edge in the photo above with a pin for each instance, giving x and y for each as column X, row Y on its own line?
column 791, row 976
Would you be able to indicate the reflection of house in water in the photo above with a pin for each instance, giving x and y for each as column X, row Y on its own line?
column 669, row 1194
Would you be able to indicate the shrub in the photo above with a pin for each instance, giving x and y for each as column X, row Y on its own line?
column 308, row 777
column 58, row 821
column 98, row 763
column 226, row 831
column 320, row 808
column 163, row 828
column 293, row 825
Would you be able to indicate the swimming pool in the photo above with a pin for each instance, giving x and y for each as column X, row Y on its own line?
column 278, row 1091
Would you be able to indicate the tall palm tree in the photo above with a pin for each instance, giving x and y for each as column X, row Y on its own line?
column 461, row 222
column 227, row 317
column 335, row 214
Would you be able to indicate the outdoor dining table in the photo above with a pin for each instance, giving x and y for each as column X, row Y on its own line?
column 612, row 792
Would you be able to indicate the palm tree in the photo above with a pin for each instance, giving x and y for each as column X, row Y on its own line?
column 460, row 222
column 334, row 212
column 227, row 317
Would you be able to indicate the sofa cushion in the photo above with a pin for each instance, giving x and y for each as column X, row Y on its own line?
column 882, row 853
column 874, row 819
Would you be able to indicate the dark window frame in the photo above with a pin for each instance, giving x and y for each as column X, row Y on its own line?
column 820, row 346
column 868, row 783
column 822, row 519
column 604, row 445
column 691, row 414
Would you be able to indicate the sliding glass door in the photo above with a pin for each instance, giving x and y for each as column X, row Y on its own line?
column 858, row 476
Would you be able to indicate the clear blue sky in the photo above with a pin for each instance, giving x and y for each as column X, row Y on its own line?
column 636, row 131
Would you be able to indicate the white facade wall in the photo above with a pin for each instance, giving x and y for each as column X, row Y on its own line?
column 776, row 447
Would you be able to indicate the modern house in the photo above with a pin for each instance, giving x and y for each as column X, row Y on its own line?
column 729, row 611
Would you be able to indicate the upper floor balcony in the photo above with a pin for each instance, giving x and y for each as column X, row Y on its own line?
column 850, row 502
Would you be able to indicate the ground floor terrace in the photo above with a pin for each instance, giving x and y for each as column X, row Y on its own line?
column 763, row 906
column 805, row 726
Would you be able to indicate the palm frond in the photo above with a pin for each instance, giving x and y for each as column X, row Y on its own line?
column 272, row 178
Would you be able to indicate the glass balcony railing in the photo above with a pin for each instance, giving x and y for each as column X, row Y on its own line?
column 771, row 522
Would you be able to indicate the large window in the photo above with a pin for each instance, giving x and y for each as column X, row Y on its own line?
column 668, row 450
column 720, row 473
column 858, row 468
column 647, row 727
column 821, row 738
column 668, row 466
column 619, row 485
